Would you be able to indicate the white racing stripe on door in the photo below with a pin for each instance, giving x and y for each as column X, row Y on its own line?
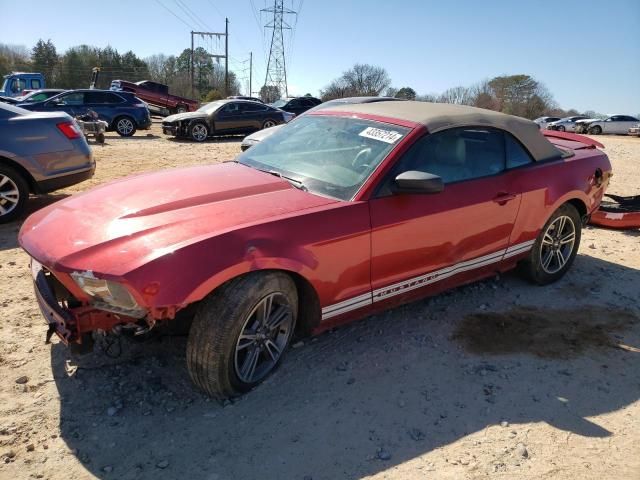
column 422, row 280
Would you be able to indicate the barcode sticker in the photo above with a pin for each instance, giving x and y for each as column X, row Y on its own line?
column 386, row 136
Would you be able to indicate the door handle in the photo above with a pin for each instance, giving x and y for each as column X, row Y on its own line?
column 503, row 197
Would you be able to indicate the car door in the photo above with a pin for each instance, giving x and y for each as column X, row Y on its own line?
column 229, row 119
column 420, row 240
column 609, row 125
column 70, row 103
column 626, row 123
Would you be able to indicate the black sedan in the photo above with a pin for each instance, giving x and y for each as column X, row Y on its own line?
column 224, row 117
column 296, row 105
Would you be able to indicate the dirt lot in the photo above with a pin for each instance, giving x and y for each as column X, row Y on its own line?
column 499, row 379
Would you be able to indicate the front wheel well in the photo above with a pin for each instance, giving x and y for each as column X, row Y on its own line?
column 580, row 206
column 33, row 188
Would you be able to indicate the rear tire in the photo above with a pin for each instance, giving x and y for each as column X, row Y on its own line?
column 125, row 126
column 597, row 130
column 223, row 363
column 561, row 128
column 199, row 131
column 269, row 123
column 14, row 193
column 555, row 248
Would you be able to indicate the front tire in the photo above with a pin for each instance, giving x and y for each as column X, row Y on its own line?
column 125, row 126
column 14, row 192
column 240, row 333
column 199, row 132
column 561, row 128
column 555, row 248
column 597, row 130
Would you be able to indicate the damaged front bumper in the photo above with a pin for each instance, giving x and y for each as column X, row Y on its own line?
column 68, row 317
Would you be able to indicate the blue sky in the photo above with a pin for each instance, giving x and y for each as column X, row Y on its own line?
column 586, row 52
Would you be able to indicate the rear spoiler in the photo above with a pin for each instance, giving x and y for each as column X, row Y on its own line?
column 574, row 137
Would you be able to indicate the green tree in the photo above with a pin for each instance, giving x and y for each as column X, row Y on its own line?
column 44, row 59
column 407, row 93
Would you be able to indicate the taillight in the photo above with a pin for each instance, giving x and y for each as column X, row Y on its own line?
column 70, row 130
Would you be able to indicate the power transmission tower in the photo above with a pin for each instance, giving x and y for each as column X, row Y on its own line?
column 276, row 66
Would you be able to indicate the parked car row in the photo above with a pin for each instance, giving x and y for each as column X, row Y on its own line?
column 613, row 124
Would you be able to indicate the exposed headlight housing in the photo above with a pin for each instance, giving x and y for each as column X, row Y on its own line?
column 105, row 291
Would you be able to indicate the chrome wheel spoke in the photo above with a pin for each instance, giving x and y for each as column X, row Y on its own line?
column 246, row 340
column 568, row 238
column 547, row 239
column 561, row 259
column 3, row 180
column 249, row 365
column 546, row 261
column 273, row 350
column 277, row 318
column 264, row 310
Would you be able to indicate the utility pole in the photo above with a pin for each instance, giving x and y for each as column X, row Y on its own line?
column 226, row 57
column 276, row 67
column 211, row 55
column 250, row 72
column 191, row 69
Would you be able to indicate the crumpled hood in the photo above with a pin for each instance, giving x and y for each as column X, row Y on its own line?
column 184, row 116
column 119, row 226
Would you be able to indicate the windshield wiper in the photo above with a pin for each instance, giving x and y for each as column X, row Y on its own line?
column 293, row 181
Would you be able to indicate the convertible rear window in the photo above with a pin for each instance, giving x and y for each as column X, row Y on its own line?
column 329, row 155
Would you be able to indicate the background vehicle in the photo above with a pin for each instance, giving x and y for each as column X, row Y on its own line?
column 544, row 121
column 614, row 124
column 567, row 124
column 15, row 83
column 241, row 97
column 333, row 218
column 582, row 126
column 39, row 153
column 39, row 95
column 296, row 105
column 156, row 94
column 635, row 130
column 260, row 135
column 224, row 117
column 123, row 111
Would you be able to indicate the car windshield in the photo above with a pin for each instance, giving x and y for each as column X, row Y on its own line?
column 211, row 107
column 279, row 103
column 328, row 155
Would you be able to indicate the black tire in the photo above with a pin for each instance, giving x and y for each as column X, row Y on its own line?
column 12, row 181
column 213, row 347
column 597, row 130
column 269, row 123
column 180, row 109
column 125, row 126
column 549, row 241
column 199, row 131
column 561, row 128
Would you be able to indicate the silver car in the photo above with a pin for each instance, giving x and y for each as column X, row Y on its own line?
column 39, row 152
column 567, row 124
column 615, row 124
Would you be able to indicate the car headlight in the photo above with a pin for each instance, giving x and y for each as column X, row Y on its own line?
column 105, row 291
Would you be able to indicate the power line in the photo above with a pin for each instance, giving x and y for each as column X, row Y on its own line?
column 171, row 12
column 185, row 8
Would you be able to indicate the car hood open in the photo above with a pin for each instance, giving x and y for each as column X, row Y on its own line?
column 178, row 117
column 122, row 225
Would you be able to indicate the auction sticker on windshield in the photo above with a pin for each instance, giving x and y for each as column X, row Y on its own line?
column 387, row 136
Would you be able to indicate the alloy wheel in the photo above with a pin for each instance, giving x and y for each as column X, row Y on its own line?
column 199, row 132
column 263, row 338
column 557, row 244
column 269, row 124
column 9, row 195
column 125, row 126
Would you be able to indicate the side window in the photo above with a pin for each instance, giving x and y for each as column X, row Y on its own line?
column 254, row 107
column 35, row 84
column 517, row 155
column 231, row 108
column 72, row 99
column 457, row 154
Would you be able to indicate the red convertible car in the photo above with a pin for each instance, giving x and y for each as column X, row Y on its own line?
column 340, row 214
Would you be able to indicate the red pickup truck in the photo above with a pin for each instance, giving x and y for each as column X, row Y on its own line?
column 156, row 94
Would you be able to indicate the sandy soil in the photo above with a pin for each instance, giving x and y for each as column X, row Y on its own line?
column 499, row 379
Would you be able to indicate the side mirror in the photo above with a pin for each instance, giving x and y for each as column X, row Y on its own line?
column 417, row 182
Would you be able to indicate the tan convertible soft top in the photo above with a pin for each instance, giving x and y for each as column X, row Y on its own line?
column 440, row 116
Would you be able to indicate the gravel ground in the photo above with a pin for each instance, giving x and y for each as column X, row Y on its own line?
column 498, row 379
